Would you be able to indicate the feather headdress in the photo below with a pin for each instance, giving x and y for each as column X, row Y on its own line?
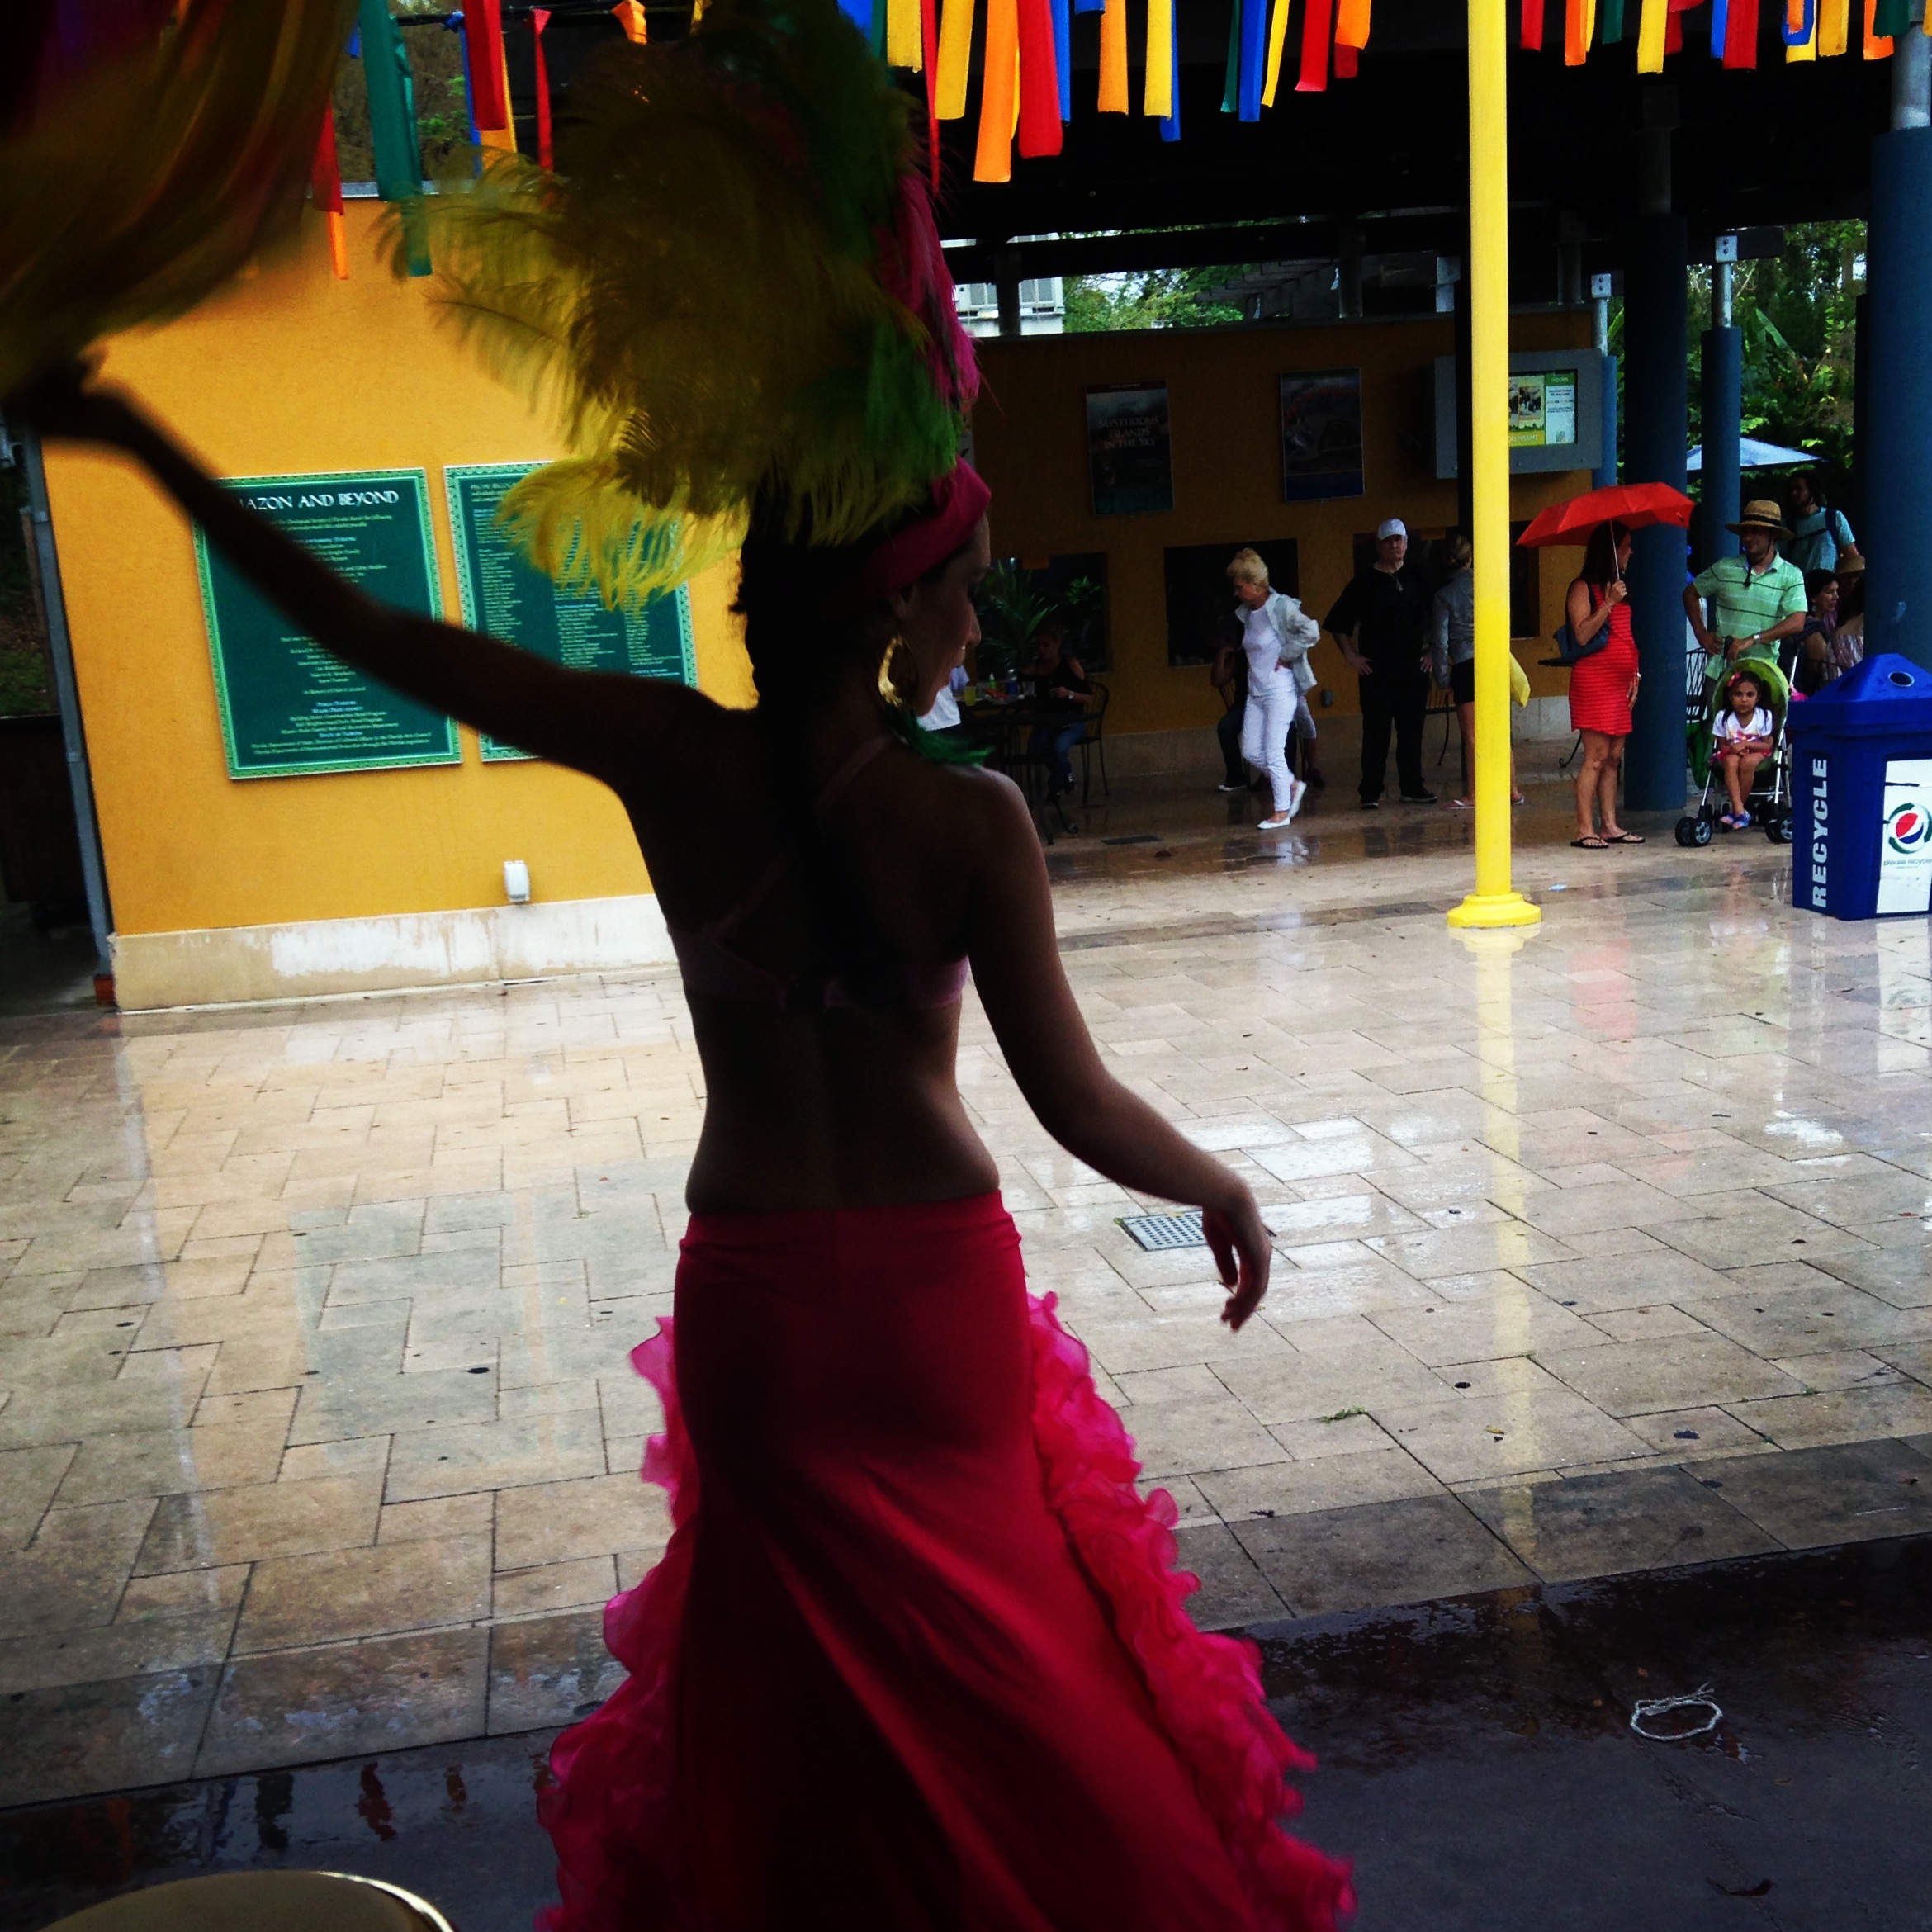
column 151, row 152
column 734, row 292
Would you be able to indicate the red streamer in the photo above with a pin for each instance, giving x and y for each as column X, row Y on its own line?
column 1318, row 22
column 1532, row 35
column 483, row 29
column 928, row 46
column 1741, row 34
column 539, row 19
column 1348, row 61
column 325, row 173
column 1040, row 81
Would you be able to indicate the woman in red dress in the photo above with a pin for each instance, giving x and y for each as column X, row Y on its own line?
column 914, row 1658
column 1602, row 686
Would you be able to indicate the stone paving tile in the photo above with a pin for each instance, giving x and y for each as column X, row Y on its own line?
column 1607, row 1213
column 1602, row 1525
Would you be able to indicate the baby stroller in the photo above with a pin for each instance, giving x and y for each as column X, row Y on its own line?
column 1769, row 802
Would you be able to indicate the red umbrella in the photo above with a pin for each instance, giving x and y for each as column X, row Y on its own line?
column 1632, row 505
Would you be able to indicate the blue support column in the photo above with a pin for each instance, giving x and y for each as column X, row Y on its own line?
column 1896, row 464
column 1723, row 402
column 1605, row 473
column 1656, row 326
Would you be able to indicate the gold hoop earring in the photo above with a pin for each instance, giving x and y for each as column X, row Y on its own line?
column 889, row 685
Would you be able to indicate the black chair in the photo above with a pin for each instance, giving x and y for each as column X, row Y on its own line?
column 1093, row 739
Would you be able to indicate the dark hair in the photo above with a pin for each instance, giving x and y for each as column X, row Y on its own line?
column 786, row 584
column 1599, row 563
column 1744, row 675
column 1816, row 581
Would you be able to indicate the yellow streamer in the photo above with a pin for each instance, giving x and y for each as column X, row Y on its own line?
column 999, row 94
column 1278, row 39
column 955, row 57
column 1158, row 96
column 1112, row 72
column 1352, row 23
column 904, row 47
column 1834, row 27
column 1650, row 26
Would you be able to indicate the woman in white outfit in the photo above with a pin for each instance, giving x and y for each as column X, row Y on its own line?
column 1276, row 635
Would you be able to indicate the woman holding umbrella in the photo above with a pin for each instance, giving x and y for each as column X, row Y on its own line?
column 1603, row 679
column 1602, row 685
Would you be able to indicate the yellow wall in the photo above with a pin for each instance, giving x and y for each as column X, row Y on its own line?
column 1030, row 439
column 294, row 371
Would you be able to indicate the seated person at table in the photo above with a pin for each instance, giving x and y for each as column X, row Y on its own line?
column 1060, row 691
column 1743, row 736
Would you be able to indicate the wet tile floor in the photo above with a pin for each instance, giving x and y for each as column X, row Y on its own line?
column 1600, row 1248
column 1476, row 1765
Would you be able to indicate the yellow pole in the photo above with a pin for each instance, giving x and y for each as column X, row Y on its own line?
column 1494, row 902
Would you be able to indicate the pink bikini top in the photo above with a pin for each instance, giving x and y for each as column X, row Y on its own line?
column 709, row 963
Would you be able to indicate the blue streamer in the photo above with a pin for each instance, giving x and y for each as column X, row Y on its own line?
column 1090, row 6
column 1254, row 55
column 1805, row 31
column 454, row 23
column 1171, row 127
column 1719, row 25
column 1063, row 56
column 859, row 13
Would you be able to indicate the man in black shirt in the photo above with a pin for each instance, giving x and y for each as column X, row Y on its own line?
column 1381, row 622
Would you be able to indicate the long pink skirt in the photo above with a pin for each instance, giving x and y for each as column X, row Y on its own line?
column 915, row 1656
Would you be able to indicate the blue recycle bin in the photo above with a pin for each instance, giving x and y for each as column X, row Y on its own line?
column 1862, row 791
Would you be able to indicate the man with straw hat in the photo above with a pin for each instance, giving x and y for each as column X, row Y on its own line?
column 1755, row 600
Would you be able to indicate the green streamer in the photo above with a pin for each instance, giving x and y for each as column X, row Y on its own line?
column 1231, row 88
column 392, row 123
column 1892, row 17
column 1612, row 22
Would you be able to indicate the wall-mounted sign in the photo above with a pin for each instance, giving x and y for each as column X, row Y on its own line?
column 1321, row 435
column 288, row 708
column 1128, row 453
column 1543, row 408
column 510, row 599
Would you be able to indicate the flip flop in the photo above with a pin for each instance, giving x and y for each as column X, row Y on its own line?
column 1591, row 844
column 1629, row 839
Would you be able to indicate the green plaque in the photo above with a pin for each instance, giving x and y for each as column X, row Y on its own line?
column 288, row 708
column 510, row 599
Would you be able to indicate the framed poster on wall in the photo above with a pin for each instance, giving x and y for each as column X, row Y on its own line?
column 288, row 708
column 1321, row 435
column 511, row 599
column 1128, row 455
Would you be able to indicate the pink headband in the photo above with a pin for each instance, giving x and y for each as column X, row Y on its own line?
column 959, row 501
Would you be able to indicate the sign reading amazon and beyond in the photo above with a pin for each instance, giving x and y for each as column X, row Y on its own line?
column 288, row 708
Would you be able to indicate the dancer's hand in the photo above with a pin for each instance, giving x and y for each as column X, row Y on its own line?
column 63, row 404
column 1242, row 1252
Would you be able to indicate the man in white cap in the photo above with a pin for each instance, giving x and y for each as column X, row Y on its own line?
column 1381, row 622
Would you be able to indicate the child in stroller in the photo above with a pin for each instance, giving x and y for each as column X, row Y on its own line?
column 1745, row 734
column 1740, row 735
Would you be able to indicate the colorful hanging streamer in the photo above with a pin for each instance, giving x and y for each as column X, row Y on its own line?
column 903, row 46
column 1347, row 62
column 1878, row 46
column 955, row 57
column 1891, row 18
column 1531, row 34
column 1579, row 26
column 392, row 107
column 1277, row 42
column 1801, row 22
column 1171, row 126
column 1740, row 34
column 1040, row 125
column 1351, row 24
column 929, row 54
column 483, row 41
column 1316, row 20
column 1112, row 65
column 539, row 19
column 1834, row 28
column 1653, row 32
column 1253, row 58
column 1158, row 82
column 630, row 17
column 1609, row 23
column 326, row 186
column 1064, row 55
column 999, row 103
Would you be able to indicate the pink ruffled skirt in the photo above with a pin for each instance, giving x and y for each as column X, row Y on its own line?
column 915, row 1656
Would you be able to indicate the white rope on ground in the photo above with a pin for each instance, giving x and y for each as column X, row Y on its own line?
column 1656, row 1706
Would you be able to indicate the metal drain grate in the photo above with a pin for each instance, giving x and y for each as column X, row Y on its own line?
column 1134, row 839
column 1153, row 1231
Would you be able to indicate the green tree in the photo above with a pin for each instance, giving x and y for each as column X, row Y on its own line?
column 1153, row 298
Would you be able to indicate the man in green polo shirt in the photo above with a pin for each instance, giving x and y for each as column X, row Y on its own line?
column 1756, row 600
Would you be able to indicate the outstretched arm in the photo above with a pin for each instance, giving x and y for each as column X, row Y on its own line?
column 1016, row 969
column 598, row 724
